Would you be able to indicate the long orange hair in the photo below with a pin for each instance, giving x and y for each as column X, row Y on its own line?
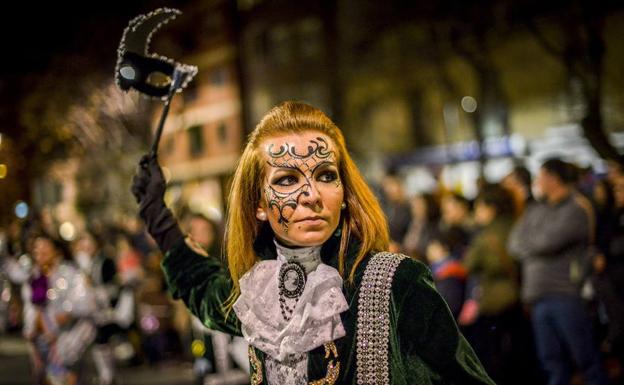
column 363, row 217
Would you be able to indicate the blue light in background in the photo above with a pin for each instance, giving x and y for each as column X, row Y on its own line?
column 21, row 209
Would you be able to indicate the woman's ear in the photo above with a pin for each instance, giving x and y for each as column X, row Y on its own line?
column 261, row 214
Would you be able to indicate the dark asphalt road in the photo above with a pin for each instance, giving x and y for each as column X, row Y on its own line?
column 15, row 368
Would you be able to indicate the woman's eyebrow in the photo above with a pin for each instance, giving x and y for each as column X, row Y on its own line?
column 283, row 166
column 326, row 163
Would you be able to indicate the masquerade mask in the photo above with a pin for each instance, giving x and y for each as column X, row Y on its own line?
column 150, row 74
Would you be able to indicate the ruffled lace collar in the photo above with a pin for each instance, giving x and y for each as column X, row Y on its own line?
column 309, row 257
column 316, row 317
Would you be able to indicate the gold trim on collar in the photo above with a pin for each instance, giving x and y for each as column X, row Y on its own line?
column 331, row 376
column 333, row 370
column 256, row 367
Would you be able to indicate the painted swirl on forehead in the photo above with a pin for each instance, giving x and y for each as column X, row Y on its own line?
column 318, row 154
column 318, row 148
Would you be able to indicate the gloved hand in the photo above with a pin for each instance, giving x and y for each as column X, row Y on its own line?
column 148, row 187
column 149, row 181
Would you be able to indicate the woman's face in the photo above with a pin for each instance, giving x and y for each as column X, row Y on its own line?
column 44, row 252
column 484, row 213
column 453, row 212
column 302, row 189
column 419, row 207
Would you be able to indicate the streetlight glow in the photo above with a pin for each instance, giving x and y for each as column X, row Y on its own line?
column 469, row 104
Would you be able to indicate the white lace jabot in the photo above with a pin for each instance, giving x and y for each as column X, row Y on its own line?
column 316, row 317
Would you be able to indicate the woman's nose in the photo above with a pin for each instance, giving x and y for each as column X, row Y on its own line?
column 310, row 196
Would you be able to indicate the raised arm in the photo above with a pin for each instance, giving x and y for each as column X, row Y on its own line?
column 148, row 187
column 200, row 281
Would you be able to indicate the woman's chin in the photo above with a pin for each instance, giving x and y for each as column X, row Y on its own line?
column 305, row 239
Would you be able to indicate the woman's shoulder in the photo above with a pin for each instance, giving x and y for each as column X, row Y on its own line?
column 408, row 272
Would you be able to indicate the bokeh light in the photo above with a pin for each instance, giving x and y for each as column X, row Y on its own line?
column 198, row 348
column 21, row 209
column 67, row 231
column 469, row 104
column 149, row 323
column 3, row 171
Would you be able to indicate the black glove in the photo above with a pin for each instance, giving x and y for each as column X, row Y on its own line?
column 148, row 187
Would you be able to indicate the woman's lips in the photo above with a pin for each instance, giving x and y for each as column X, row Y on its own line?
column 311, row 221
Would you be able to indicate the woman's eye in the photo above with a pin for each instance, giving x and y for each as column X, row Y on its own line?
column 328, row 176
column 287, row 180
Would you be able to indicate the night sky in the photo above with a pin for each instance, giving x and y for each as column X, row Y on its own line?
column 38, row 37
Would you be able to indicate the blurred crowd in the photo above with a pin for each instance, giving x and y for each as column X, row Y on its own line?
column 532, row 268
column 99, row 301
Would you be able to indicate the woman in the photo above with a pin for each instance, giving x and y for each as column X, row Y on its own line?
column 306, row 285
column 496, row 292
column 456, row 222
column 59, row 327
column 424, row 225
column 101, row 272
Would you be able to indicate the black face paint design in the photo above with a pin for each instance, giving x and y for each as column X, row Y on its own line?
column 304, row 164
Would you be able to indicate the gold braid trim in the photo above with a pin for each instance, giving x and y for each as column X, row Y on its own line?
column 256, row 367
column 332, row 370
column 331, row 376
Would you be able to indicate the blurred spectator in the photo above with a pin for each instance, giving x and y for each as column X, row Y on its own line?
column 101, row 272
column 213, row 350
column 396, row 208
column 60, row 328
column 128, row 261
column 609, row 267
column 551, row 239
column 425, row 220
column 614, row 171
column 448, row 274
column 204, row 233
column 496, row 292
column 139, row 239
column 456, row 222
column 604, row 207
column 518, row 182
column 155, row 309
column 18, row 272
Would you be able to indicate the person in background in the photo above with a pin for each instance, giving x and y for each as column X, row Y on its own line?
column 608, row 266
column 62, row 327
column 615, row 171
column 456, row 222
column 220, row 351
column 205, row 233
column 518, row 182
column 396, row 208
column 424, row 223
column 139, row 239
column 448, row 273
column 131, row 276
column 101, row 273
column 603, row 198
column 551, row 239
column 128, row 261
column 497, row 311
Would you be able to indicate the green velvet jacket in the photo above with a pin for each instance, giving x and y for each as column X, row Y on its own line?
column 425, row 344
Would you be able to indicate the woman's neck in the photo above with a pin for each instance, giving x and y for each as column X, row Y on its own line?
column 309, row 257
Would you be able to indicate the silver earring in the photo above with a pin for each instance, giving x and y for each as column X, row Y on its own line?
column 343, row 206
